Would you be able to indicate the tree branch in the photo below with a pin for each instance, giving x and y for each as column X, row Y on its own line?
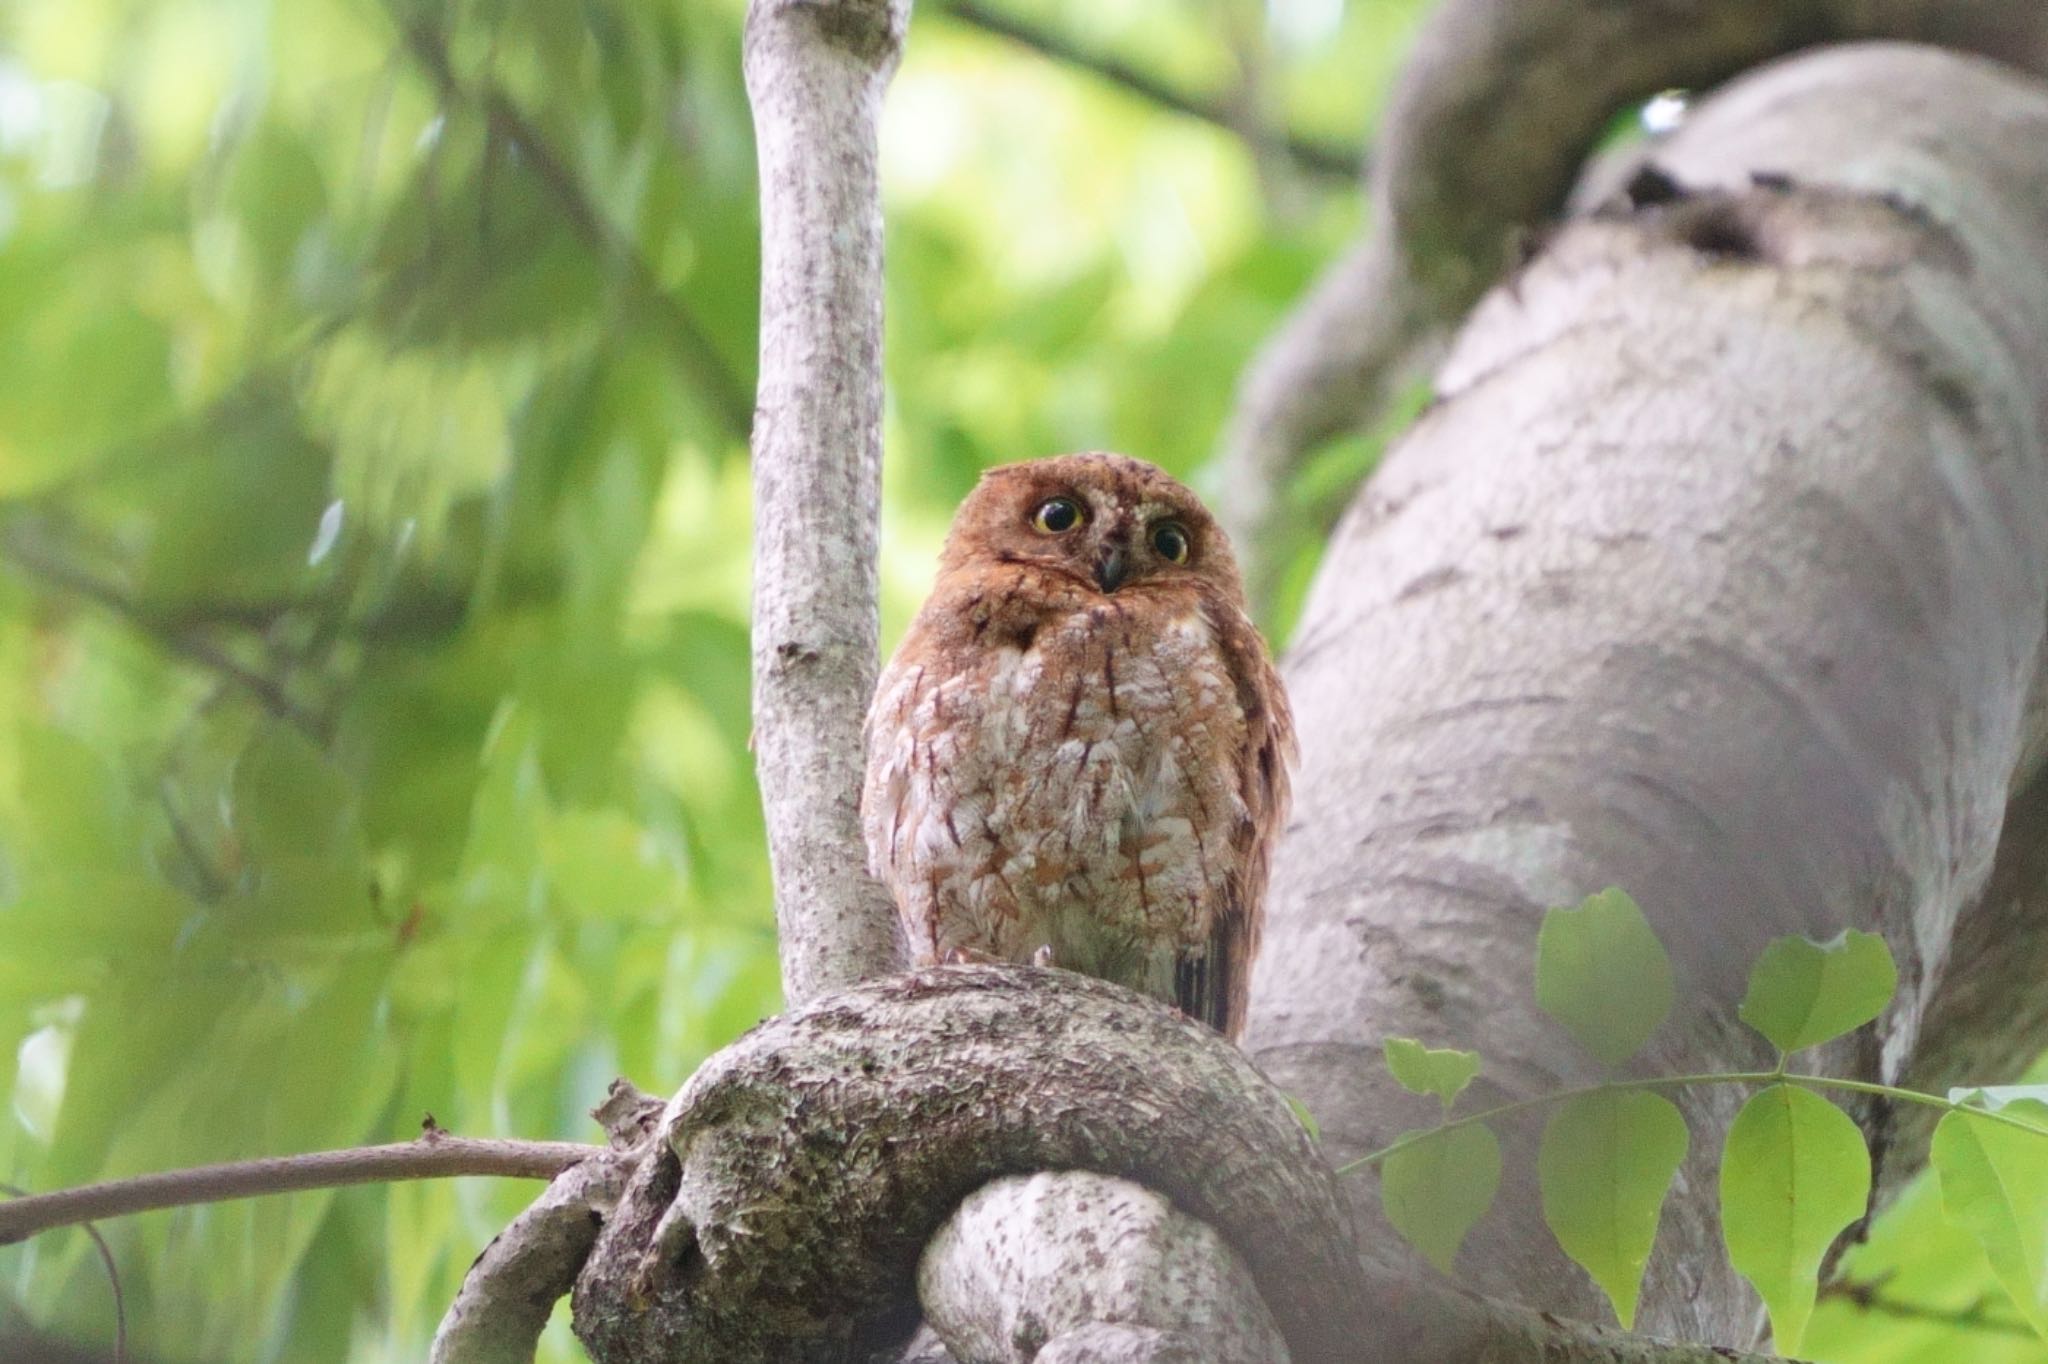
column 802, row 1173
column 1325, row 159
column 804, row 1167
column 432, row 1155
column 690, row 345
column 997, row 1280
column 816, row 71
column 1481, row 139
column 1867, row 1295
column 511, row 1290
column 106, row 1254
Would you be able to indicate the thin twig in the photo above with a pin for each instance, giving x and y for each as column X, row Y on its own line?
column 1321, row 158
column 106, row 1255
column 685, row 337
column 433, row 1155
column 1867, row 1295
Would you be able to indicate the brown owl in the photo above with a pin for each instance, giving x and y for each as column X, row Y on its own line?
column 1081, row 749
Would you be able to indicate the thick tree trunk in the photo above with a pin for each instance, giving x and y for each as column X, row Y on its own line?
column 1718, row 572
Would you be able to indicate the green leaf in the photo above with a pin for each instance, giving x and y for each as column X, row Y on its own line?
column 1794, row 1173
column 1442, row 1071
column 1803, row 993
column 1994, row 1181
column 1436, row 1190
column 1602, row 973
column 1304, row 1117
column 1606, row 1164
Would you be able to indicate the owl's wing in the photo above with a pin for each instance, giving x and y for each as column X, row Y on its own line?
column 891, row 740
column 1216, row 985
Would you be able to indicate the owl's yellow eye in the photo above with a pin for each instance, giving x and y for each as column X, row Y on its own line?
column 1170, row 542
column 1056, row 516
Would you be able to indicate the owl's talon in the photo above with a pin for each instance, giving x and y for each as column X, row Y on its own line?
column 1043, row 955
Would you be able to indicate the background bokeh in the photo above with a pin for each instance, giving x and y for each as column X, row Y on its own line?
column 374, row 377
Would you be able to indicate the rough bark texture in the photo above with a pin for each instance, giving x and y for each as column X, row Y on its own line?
column 816, row 70
column 1482, row 138
column 805, row 1167
column 1719, row 572
column 999, row 1280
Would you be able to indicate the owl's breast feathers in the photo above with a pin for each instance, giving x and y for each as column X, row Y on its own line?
column 1102, row 775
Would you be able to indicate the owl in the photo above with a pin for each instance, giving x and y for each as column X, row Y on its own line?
column 1080, row 751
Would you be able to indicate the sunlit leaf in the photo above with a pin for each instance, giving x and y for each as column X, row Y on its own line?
column 1436, row 1190
column 1994, row 1180
column 1605, row 1166
column 1803, row 993
column 1602, row 973
column 1442, row 1071
column 1794, row 1173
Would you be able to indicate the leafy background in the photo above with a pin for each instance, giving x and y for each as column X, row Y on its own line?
column 373, row 560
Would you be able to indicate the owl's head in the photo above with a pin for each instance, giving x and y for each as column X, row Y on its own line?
column 1110, row 522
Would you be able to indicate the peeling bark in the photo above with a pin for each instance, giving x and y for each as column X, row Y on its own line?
column 1481, row 139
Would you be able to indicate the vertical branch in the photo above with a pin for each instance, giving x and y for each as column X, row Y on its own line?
column 816, row 70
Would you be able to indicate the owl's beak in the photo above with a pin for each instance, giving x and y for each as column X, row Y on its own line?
column 1112, row 568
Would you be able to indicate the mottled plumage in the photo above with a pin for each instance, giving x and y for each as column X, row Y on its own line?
column 1081, row 744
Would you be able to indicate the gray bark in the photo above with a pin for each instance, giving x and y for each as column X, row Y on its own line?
column 1480, row 142
column 1154, row 1283
column 803, row 1169
column 512, row 1288
column 1719, row 572
column 816, row 71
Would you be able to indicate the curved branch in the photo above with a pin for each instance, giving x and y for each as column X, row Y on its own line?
column 806, row 1165
column 997, row 1281
column 816, row 70
column 513, row 1287
column 800, row 1175
column 1481, row 139
column 433, row 1155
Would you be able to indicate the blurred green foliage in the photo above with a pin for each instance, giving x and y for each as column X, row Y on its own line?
column 373, row 552
column 374, row 377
